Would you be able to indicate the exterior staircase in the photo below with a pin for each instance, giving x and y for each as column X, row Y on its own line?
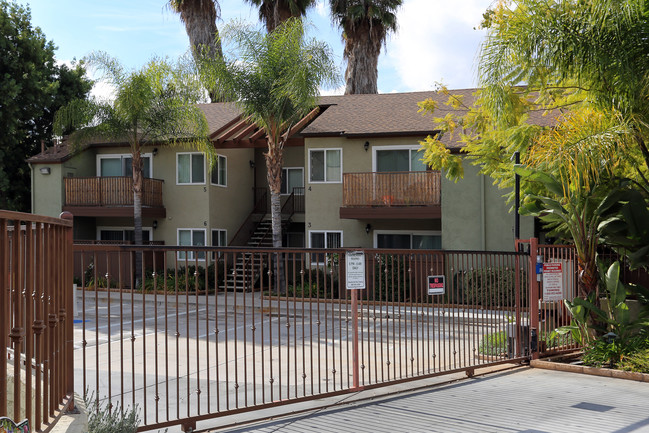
column 245, row 272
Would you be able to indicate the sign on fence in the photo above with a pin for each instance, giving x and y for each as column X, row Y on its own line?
column 355, row 270
column 436, row 285
column 552, row 281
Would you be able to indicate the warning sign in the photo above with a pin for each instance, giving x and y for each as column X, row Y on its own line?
column 355, row 270
column 436, row 285
column 553, row 281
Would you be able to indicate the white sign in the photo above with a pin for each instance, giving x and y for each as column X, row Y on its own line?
column 436, row 285
column 552, row 281
column 355, row 270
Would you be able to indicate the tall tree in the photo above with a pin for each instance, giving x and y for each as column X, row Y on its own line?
column 584, row 66
column 33, row 87
column 274, row 79
column 155, row 104
column 199, row 17
column 365, row 25
column 274, row 12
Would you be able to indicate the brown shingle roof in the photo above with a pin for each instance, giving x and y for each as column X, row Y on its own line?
column 375, row 115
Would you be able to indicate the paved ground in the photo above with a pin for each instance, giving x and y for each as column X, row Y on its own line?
column 523, row 400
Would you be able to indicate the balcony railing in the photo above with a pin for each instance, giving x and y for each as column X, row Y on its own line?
column 110, row 191
column 415, row 188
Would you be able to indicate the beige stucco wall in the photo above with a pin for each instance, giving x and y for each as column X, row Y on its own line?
column 471, row 223
column 323, row 200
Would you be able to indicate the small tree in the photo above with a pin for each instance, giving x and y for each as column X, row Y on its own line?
column 155, row 104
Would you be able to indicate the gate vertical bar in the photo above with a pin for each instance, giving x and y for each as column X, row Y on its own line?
column 355, row 330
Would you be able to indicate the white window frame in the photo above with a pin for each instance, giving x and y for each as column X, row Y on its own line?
column 190, row 254
column 212, row 237
column 405, row 232
column 215, row 169
column 326, row 149
column 123, row 229
column 291, row 168
column 190, row 169
column 410, row 147
column 325, row 232
column 121, row 156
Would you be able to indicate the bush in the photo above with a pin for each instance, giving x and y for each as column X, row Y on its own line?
column 317, row 283
column 185, row 279
column 392, row 281
column 616, row 352
column 492, row 287
column 638, row 362
column 494, row 344
column 104, row 419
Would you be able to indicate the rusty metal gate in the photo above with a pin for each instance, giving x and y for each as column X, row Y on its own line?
column 202, row 332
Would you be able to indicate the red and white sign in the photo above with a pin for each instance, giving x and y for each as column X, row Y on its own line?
column 553, row 281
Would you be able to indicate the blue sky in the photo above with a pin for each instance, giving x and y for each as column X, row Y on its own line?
column 436, row 40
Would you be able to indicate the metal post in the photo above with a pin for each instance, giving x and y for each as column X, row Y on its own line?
column 355, row 327
column 68, row 303
column 534, row 295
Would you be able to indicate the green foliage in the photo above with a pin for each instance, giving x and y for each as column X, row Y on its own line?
column 617, row 353
column 33, row 87
column 391, row 278
column 184, row 280
column 316, row 283
column 638, row 361
column 103, row 418
column 494, row 344
column 492, row 287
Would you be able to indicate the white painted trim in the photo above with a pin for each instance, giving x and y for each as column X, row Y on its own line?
column 190, row 167
column 326, row 149
column 393, row 147
column 325, row 233
column 192, row 259
column 219, row 230
column 101, row 156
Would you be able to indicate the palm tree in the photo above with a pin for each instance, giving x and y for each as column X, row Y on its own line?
column 155, row 104
column 199, row 17
column 274, row 12
column 365, row 25
column 274, row 79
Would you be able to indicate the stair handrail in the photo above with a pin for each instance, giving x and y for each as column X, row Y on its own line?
column 251, row 222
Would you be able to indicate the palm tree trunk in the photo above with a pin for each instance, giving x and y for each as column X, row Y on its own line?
column 274, row 162
column 200, row 25
column 137, row 212
column 362, row 50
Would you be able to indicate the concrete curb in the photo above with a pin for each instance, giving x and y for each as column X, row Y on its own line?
column 593, row 371
column 73, row 422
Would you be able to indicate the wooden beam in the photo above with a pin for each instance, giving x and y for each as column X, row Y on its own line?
column 392, row 212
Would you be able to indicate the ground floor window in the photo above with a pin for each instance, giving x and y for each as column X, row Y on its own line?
column 191, row 237
column 123, row 234
column 219, row 239
column 408, row 240
column 324, row 240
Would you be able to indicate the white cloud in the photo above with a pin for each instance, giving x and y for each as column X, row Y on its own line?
column 331, row 92
column 436, row 42
column 321, row 9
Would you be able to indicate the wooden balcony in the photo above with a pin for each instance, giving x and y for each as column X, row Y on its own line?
column 111, row 196
column 398, row 195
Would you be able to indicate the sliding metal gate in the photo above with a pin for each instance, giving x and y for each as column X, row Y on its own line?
column 203, row 332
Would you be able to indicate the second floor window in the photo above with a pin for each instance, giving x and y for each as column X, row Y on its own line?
column 190, row 168
column 121, row 165
column 220, row 171
column 325, row 165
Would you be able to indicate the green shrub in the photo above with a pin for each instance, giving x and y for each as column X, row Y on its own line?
column 492, row 287
column 494, row 344
column 638, row 362
column 611, row 353
column 184, row 279
column 316, row 283
column 391, row 279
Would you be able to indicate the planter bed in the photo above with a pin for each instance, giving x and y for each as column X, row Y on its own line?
column 562, row 364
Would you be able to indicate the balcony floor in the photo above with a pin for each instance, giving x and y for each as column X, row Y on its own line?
column 391, row 212
column 115, row 211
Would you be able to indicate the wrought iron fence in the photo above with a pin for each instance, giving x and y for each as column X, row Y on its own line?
column 36, row 354
column 204, row 332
